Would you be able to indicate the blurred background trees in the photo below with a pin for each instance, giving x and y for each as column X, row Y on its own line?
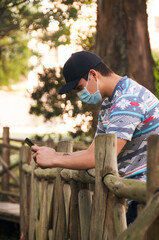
column 47, row 101
column 121, row 39
column 17, row 19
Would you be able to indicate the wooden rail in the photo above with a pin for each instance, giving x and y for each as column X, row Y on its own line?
column 6, row 168
column 68, row 204
column 8, row 210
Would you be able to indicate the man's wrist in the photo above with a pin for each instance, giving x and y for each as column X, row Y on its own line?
column 58, row 160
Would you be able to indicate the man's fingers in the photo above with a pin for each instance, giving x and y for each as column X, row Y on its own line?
column 37, row 165
column 34, row 155
column 35, row 148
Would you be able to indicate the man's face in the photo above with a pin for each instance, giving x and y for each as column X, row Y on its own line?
column 91, row 84
column 80, row 85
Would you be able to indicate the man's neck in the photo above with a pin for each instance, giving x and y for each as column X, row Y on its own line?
column 109, row 84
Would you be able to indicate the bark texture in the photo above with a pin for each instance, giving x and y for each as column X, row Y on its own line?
column 122, row 39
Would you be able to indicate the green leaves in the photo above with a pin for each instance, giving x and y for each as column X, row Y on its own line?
column 45, row 95
column 49, row 104
column 14, row 55
column 17, row 17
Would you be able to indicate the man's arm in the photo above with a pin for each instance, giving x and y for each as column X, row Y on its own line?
column 48, row 158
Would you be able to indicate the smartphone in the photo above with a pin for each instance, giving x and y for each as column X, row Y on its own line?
column 29, row 142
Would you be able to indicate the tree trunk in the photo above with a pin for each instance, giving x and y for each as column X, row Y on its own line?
column 122, row 39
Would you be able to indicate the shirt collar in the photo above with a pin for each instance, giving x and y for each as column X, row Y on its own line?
column 116, row 87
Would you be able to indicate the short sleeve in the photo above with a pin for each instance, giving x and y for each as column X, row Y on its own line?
column 125, row 115
column 123, row 126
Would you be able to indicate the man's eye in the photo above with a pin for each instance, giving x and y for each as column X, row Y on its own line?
column 78, row 89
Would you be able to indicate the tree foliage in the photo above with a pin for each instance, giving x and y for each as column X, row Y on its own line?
column 21, row 16
column 17, row 19
column 155, row 55
column 14, row 55
column 121, row 40
column 47, row 102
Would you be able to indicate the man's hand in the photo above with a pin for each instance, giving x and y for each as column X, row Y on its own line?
column 44, row 156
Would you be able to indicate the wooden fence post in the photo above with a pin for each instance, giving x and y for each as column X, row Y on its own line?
column 85, row 202
column 74, row 223
column 102, row 218
column 116, row 212
column 67, row 197
column 43, row 222
column 6, row 158
column 59, row 214
column 153, row 179
column 25, row 156
column 32, row 203
column 98, row 227
column 50, row 143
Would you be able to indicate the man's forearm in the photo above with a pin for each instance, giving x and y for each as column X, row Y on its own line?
column 48, row 158
column 77, row 160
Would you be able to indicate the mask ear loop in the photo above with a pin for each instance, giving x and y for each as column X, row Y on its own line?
column 87, row 81
column 97, row 85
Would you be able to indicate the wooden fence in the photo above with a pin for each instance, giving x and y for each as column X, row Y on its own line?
column 6, row 172
column 10, row 191
column 58, row 204
column 9, row 181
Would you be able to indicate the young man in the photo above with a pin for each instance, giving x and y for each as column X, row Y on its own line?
column 128, row 109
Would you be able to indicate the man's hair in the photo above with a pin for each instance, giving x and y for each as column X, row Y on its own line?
column 102, row 68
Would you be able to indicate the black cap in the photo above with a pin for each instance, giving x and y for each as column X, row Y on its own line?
column 76, row 66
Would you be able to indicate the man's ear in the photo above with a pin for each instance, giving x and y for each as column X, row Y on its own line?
column 93, row 73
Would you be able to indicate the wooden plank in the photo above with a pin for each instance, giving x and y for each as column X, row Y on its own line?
column 59, row 217
column 153, row 179
column 137, row 229
column 115, row 211
column 32, row 203
column 8, row 146
column 10, row 211
column 79, row 176
column 6, row 166
column 9, row 168
column 50, row 204
column 43, row 221
column 67, row 197
column 10, row 194
column 85, row 202
column 25, row 155
column 38, row 203
column 6, row 157
column 74, row 222
column 48, row 174
column 126, row 188
column 104, row 203
column 120, row 215
column 98, row 228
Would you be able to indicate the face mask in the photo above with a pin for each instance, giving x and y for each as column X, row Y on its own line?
column 86, row 97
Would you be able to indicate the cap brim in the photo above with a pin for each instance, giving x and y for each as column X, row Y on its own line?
column 69, row 86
